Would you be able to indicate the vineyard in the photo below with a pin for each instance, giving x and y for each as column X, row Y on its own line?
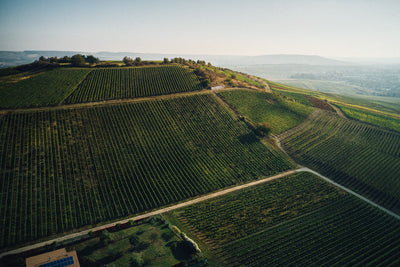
column 62, row 169
column 119, row 83
column 299, row 220
column 371, row 117
column 46, row 89
column 359, row 156
column 263, row 107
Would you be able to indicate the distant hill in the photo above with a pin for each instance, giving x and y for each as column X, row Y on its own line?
column 13, row 58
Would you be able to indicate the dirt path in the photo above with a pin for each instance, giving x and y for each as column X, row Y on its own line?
column 338, row 111
column 117, row 101
column 107, row 102
column 305, row 169
column 149, row 214
column 194, row 201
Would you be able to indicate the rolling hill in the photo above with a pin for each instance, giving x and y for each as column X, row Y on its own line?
column 82, row 147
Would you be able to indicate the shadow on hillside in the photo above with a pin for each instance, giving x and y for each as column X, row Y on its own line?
column 180, row 250
column 248, row 138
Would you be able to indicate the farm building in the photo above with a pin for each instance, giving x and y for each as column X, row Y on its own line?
column 56, row 258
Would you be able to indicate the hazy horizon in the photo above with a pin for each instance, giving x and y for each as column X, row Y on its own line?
column 333, row 29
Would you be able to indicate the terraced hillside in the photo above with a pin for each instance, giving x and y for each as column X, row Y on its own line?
column 120, row 83
column 62, row 169
column 298, row 220
column 362, row 157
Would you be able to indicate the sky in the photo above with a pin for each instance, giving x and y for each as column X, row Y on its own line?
column 331, row 28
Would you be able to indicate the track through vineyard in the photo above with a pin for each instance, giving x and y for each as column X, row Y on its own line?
column 63, row 169
column 362, row 157
column 296, row 220
column 121, row 83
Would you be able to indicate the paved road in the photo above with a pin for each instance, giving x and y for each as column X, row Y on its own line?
column 149, row 214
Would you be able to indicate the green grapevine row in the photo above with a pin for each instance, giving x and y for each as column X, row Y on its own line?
column 297, row 220
column 66, row 168
column 263, row 107
column 120, row 83
column 45, row 89
column 357, row 155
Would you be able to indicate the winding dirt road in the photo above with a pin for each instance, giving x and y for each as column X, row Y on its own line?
column 305, row 169
column 194, row 201
column 149, row 214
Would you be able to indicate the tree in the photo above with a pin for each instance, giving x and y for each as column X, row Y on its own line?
column 206, row 83
column 105, row 237
column 91, row 59
column 166, row 61
column 134, row 240
column 262, row 129
column 136, row 260
column 65, row 59
column 138, row 60
column 77, row 60
column 53, row 60
column 127, row 60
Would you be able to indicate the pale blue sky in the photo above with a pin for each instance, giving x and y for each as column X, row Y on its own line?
column 332, row 28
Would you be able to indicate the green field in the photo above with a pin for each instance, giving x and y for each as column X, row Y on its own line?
column 371, row 117
column 66, row 168
column 46, row 89
column 261, row 107
column 335, row 87
column 359, row 156
column 299, row 220
column 119, row 83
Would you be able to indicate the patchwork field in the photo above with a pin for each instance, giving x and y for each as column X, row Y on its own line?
column 67, row 168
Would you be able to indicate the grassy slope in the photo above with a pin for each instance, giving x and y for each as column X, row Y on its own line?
column 263, row 107
column 46, row 89
column 327, row 86
column 64, row 169
column 297, row 220
column 379, row 111
column 371, row 117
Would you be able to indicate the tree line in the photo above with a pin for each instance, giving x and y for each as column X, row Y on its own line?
column 76, row 60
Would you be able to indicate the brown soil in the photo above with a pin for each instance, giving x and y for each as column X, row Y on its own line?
column 318, row 103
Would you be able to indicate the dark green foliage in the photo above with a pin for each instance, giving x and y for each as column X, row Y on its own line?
column 127, row 61
column 262, row 129
column 206, row 83
column 134, row 240
column 119, row 83
column 46, row 89
column 91, row 59
column 67, row 168
column 77, row 60
column 136, row 261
